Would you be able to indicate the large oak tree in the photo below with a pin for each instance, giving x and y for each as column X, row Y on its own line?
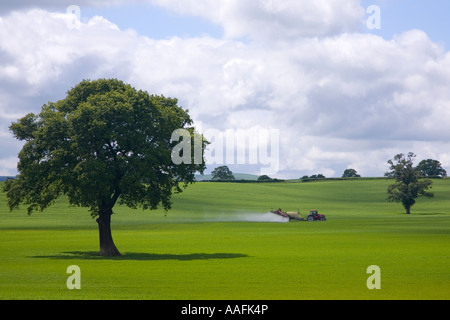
column 106, row 143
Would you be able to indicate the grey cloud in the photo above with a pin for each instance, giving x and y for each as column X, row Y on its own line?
column 7, row 6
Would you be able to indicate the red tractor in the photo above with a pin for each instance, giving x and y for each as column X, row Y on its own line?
column 315, row 216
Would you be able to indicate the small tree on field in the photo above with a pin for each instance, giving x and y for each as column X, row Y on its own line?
column 222, row 173
column 431, row 169
column 408, row 186
column 264, row 178
column 105, row 143
column 350, row 173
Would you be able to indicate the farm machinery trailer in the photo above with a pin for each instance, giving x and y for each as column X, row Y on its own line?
column 312, row 216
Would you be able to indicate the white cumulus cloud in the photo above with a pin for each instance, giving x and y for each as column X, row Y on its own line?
column 270, row 19
column 338, row 97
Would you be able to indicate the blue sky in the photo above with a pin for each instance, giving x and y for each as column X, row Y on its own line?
column 155, row 22
column 334, row 93
column 397, row 16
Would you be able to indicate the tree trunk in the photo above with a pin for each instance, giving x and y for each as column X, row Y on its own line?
column 408, row 210
column 107, row 246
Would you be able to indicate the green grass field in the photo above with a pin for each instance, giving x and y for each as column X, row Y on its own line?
column 212, row 246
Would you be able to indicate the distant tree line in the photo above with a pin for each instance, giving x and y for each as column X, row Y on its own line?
column 266, row 178
column 428, row 168
column 312, row 177
column 224, row 174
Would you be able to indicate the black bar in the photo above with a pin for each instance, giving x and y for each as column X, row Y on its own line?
column 212, row 309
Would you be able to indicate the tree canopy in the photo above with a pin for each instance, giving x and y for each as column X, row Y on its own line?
column 350, row 173
column 431, row 168
column 222, row 173
column 409, row 186
column 105, row 143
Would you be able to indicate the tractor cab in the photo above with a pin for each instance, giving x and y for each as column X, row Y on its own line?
column 314, row 215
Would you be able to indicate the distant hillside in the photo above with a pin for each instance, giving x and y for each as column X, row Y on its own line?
column 237, row 176
column 3, row 178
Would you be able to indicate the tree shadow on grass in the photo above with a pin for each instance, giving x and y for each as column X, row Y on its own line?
column 421, row 213
column 95, row 255
column 428, row 213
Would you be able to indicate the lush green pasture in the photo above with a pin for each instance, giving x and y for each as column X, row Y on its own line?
column 206, row 248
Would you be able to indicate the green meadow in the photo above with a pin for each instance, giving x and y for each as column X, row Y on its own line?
column 219, row 242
